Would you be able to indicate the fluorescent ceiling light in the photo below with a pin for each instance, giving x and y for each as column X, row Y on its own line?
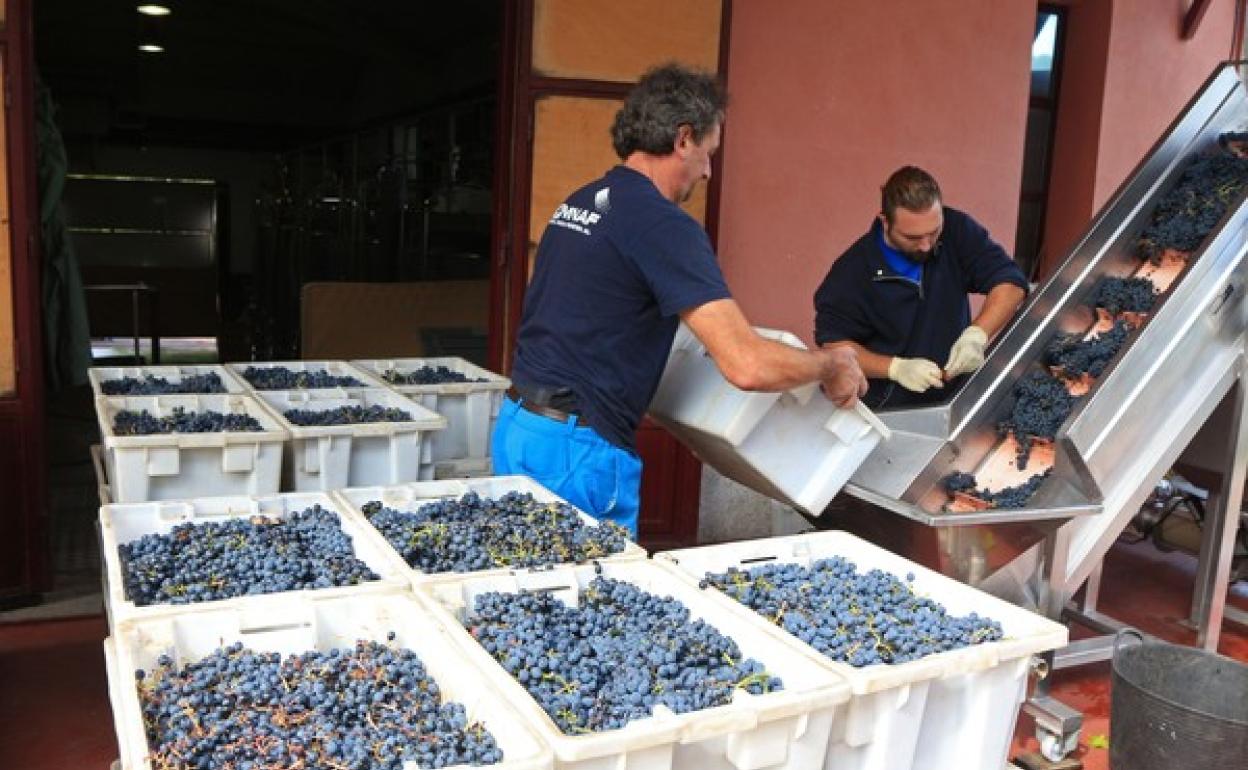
column 151, row 48
column 151, row 9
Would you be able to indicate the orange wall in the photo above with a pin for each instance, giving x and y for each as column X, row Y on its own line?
column 1128, row 75
column 825, row 103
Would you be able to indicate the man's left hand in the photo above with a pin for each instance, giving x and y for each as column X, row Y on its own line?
column 967, row 354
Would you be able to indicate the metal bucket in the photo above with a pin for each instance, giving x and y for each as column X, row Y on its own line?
column 1176, row 707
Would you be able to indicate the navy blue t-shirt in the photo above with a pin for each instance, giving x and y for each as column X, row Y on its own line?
column 616, row 266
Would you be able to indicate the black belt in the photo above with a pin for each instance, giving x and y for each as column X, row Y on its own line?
column 529, row 404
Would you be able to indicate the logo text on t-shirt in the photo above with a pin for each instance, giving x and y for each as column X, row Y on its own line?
column 575, row 218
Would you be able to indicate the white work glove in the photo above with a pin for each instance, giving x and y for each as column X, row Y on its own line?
column 916, row 374
column 967, row 354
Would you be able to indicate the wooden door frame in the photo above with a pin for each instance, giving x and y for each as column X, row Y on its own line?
column 518, row 92
column 21, row 415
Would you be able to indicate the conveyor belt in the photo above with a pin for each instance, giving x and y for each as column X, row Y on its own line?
column 1127, row 426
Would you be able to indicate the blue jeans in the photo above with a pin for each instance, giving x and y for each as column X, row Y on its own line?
column 572, row 461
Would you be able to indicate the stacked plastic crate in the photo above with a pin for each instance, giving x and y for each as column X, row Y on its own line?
column 153, row 449
column 950, row 708
column 346, row 427
column 468, row 396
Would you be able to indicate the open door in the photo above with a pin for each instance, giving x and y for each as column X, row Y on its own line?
column 566, row 67
column 22, row 477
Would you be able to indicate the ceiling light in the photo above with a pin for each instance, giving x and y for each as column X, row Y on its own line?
column 151, row 9
column 151, row 48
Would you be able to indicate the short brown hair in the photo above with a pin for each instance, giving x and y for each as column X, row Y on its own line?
column 910, row 188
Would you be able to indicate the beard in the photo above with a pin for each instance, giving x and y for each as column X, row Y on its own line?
column 920, row 257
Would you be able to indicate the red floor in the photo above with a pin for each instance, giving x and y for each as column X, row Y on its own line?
column 54, row 710
column 1151, row 591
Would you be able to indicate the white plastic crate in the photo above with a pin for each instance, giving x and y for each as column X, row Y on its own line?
column 470, row 409
column 797, row 446
column 470, row 468
column 128, row 522
column 171, row 466
column 335, row 368
column 102, row 489
column 296, row 625
column 98, row 375
column 409, row 497
column 951, row 709
column 783, row 730
column 326, row 457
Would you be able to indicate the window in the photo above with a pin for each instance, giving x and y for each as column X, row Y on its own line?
column 1046, row 53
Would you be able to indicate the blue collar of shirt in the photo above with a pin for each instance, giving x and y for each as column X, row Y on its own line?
column 899, row 263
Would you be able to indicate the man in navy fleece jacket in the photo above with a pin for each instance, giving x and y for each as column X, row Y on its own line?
column 898, row 296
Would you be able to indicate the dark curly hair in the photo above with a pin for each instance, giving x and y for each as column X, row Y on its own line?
column 666, row 98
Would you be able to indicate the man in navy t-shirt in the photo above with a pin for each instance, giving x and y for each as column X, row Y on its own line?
column 619, row 266
column 898, row 296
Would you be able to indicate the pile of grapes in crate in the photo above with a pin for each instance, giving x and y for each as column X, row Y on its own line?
column 371, row 707
column 179, row 420
column 428, row 375
column 198, row 562
column 1042, row 400
column 478, row 533
column 151, row 385
column 284, row 378
column 862, row 619
column 350, row 414
column 614, row 656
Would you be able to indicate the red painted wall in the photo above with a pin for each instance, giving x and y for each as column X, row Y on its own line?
column 1128, row 74
column 829, row 98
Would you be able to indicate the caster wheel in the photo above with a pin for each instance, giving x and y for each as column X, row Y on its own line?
column 1052, row 749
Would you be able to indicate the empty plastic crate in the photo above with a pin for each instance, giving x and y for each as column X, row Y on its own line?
column 99, row 375
column 781, row 730
column 949, row 709
column 124, row 523
column 410, row 497
column 171, row 466
column 325, row 457
column 333, row 368
column 297, row 625
column 470, row 409
column 796, row 446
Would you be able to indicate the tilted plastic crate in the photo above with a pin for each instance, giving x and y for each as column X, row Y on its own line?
column 949, row 709
column 325, row 457
column 99, row 375
column 293, row 625
column 781, row 730
column 410, row 497
column 797, row 446
column 171, row 466
column 470, row 409
column 334, row 368
column 124, row 523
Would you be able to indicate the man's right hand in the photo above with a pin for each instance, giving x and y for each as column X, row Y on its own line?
column 915, row 374
column 844, row 383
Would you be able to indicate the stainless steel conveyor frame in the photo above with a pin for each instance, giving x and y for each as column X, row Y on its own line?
column 1121, row 438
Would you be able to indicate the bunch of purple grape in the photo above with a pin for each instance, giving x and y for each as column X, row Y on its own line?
column 373, row 707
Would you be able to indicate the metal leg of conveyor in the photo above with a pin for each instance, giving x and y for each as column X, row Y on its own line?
column 1057, row 725
column 1217, row 545
column 1092, row 588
